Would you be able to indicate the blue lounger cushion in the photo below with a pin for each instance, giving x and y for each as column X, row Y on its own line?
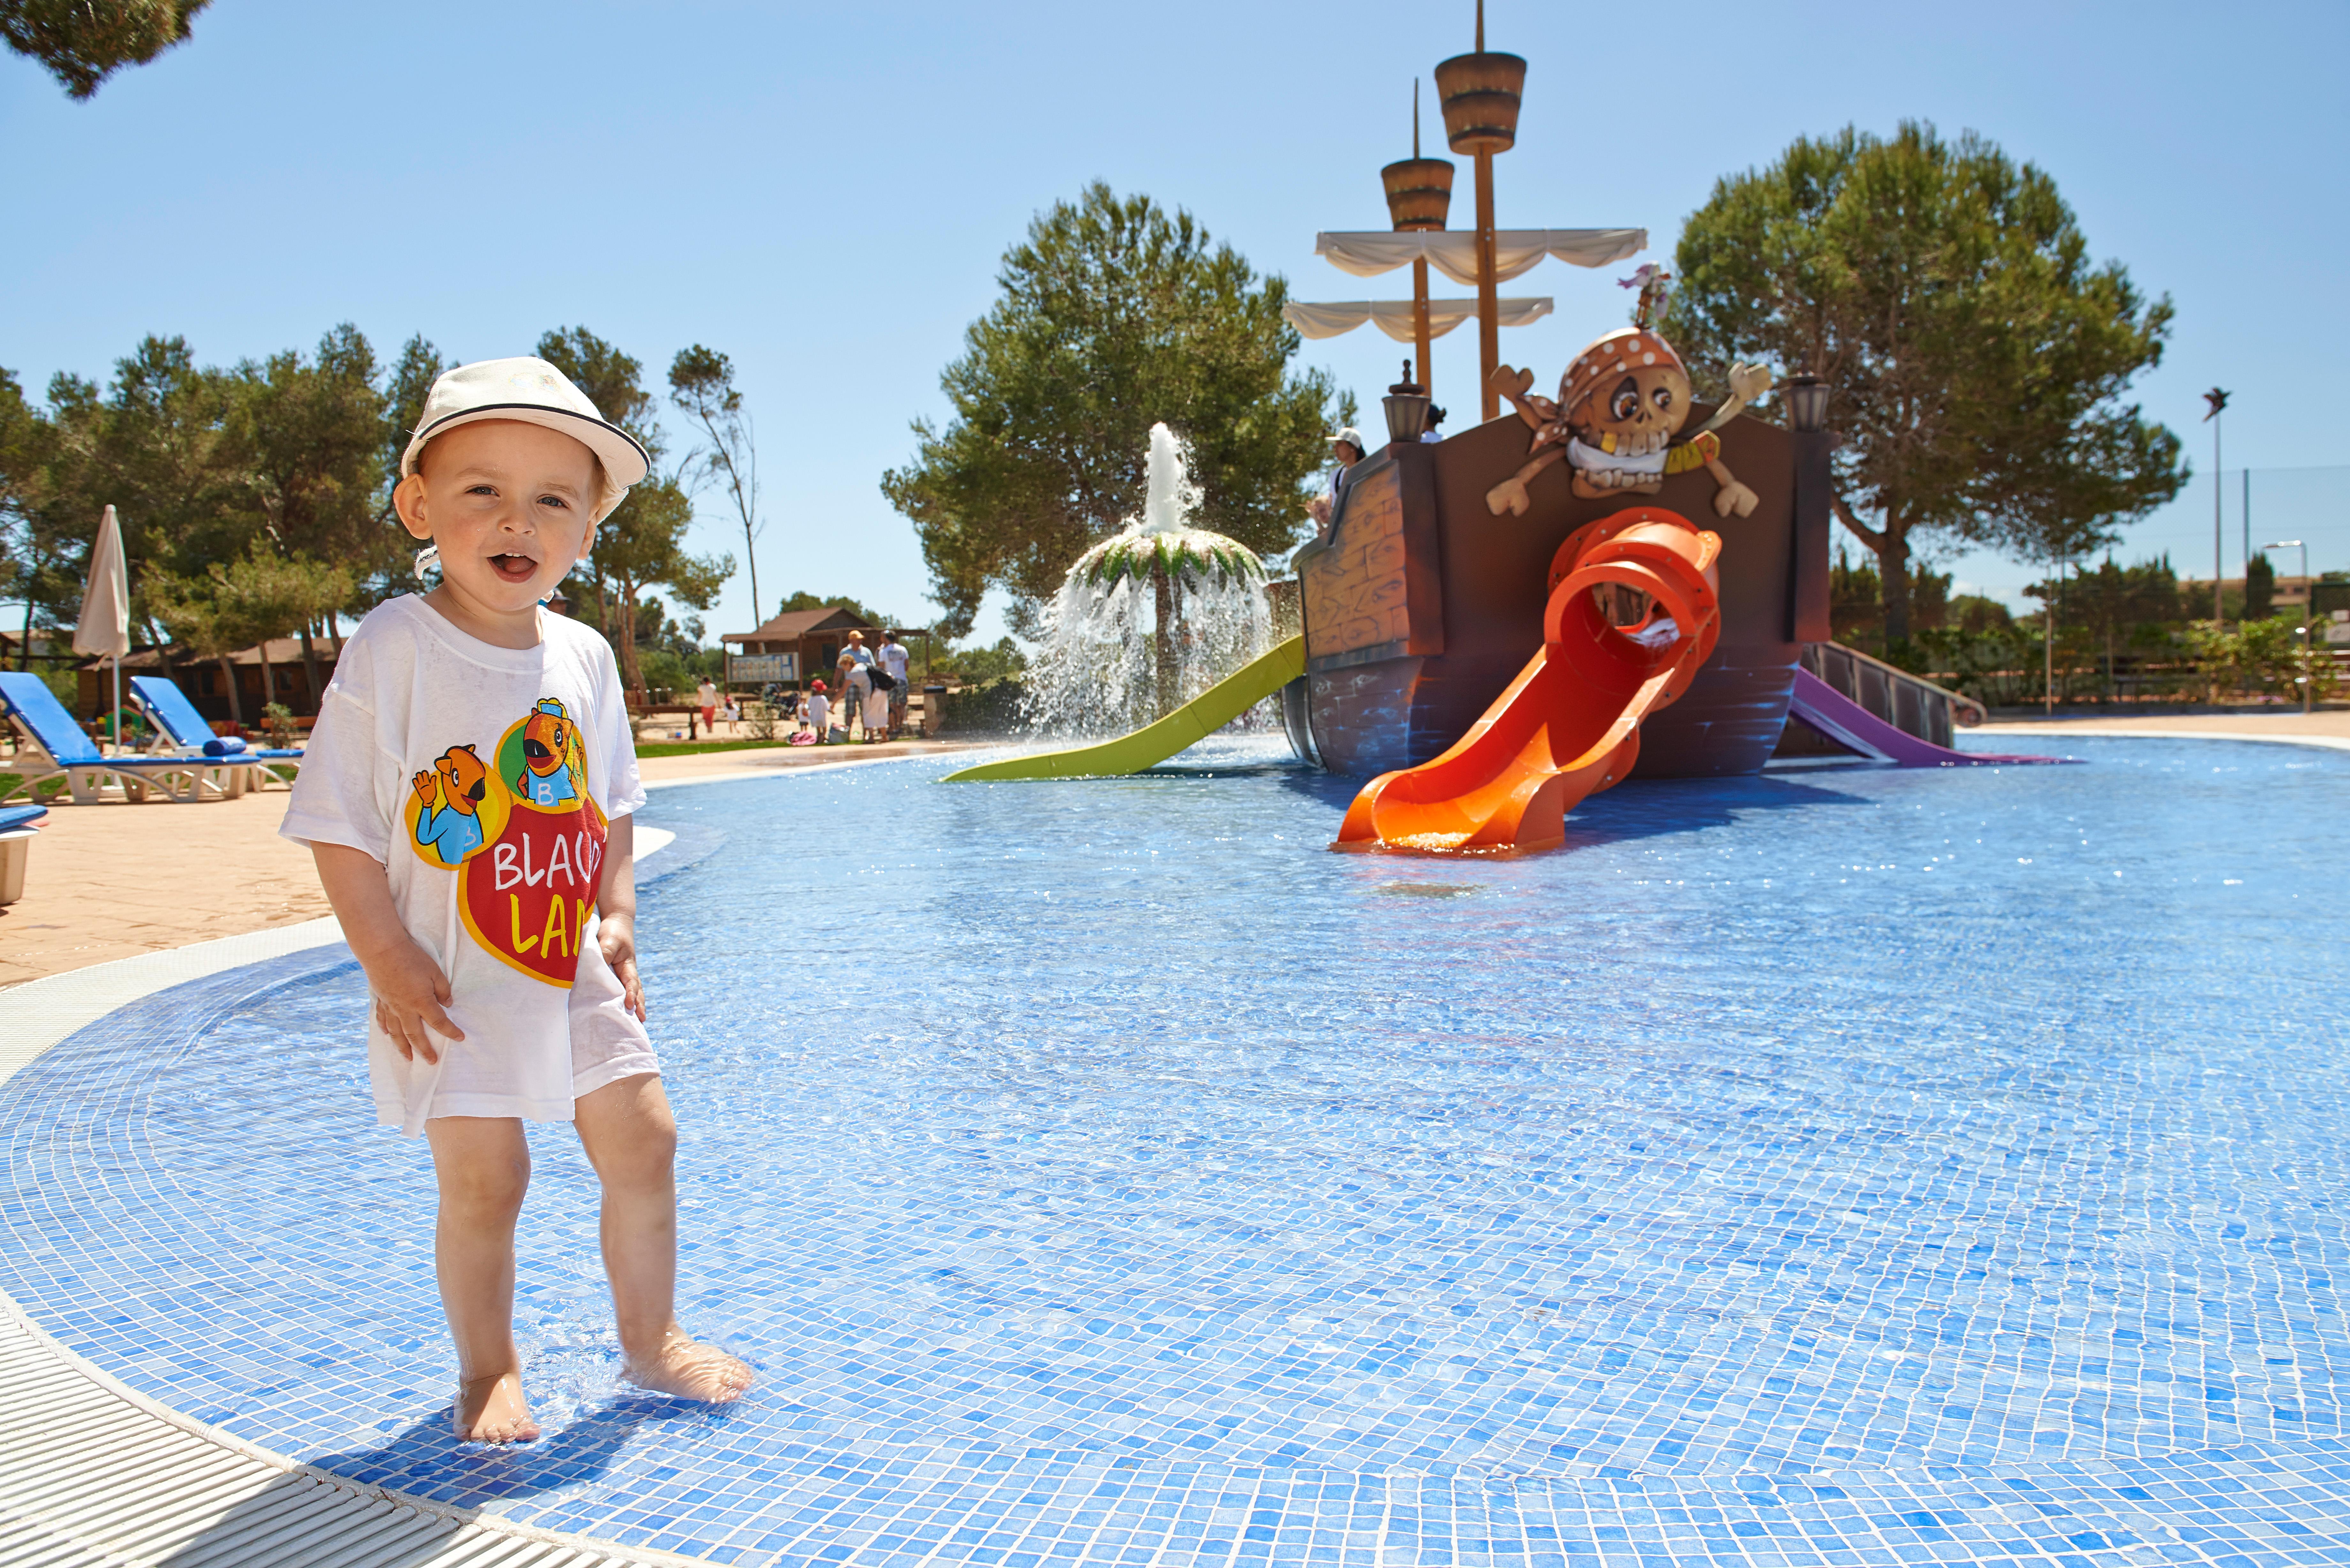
column 187, row 729
column 27, row 698
column 13, row 817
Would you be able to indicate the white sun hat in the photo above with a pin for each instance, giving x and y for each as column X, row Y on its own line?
column 530, row 389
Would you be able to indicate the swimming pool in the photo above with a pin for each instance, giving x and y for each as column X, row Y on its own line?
column 1844, row 1165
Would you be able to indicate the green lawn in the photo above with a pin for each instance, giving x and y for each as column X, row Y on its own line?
column 695, row 748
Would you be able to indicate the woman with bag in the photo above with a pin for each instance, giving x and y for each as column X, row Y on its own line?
column 880, row 683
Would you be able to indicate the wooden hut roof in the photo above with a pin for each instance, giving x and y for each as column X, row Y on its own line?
column 793, row 625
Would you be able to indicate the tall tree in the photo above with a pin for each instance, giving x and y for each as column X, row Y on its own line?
column 83, row 42
column 411, row 381
column 701, row 384
column 614, row 382
column 1114, row 315
column 304, row 438
column 26, row 551
column 152, row 447
column 243, row 604
column 1977, row 358
column 642, row 544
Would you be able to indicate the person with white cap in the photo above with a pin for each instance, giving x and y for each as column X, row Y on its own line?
column 1346, row 450
column 468, row 795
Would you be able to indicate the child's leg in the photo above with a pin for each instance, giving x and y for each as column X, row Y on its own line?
column 483, row 1165
column 631, row 1140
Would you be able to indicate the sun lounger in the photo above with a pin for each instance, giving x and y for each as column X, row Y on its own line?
column 15, row 848
column 51, row 746
column 176, row 719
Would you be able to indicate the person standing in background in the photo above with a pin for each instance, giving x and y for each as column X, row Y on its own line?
column 706, row 696
column 1346, row 451
column 856, row 671
column 896, row 661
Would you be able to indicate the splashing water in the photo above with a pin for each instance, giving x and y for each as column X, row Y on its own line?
column 1151, row 618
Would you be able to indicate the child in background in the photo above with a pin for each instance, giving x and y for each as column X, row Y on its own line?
column 466, row 733
column 819, row 710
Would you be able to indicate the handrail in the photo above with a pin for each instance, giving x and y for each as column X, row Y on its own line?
column 1958, row 700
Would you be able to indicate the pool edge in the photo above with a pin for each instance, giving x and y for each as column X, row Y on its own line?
column 104, row 1412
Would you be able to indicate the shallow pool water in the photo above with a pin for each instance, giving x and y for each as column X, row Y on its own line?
column 1840, row 1162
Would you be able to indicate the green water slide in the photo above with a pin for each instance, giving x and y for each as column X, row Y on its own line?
column 1202, row 716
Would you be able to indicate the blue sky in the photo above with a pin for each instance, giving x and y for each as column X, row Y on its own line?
column 823, row 192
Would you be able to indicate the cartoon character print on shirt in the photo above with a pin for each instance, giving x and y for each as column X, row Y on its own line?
column 523, row 835
column 550, row 773
column 456, row 809
column 529, row 899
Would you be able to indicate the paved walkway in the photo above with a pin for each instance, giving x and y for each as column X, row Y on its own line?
column 113, row 881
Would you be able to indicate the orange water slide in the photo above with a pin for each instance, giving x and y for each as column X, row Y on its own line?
column 1569, row 725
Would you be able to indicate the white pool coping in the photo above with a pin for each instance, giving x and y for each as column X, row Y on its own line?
column 2048, row 732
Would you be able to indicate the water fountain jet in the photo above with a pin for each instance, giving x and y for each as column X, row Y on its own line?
column 1149, row 618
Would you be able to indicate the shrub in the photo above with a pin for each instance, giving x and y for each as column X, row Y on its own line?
column 990, row 709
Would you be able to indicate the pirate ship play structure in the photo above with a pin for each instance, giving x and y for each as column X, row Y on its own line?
column 1616, row 582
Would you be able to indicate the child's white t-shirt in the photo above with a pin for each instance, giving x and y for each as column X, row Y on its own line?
column 819, row 708
column 483, row 778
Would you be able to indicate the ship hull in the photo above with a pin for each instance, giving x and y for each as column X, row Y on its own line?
column 1421, row 606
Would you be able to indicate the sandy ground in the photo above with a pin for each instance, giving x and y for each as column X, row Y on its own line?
column 113, row 881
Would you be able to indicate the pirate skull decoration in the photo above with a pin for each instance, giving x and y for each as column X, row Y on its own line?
column 1619, row 406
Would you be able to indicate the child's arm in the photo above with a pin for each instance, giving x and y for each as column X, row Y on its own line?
column 409, row 990
column 616, row 909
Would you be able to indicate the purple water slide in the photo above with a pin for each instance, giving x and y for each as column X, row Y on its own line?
column 1856, row 729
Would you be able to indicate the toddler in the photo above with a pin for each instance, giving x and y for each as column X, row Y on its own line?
column 467, row 795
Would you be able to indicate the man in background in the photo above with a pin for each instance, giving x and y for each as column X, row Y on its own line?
column 894, row 658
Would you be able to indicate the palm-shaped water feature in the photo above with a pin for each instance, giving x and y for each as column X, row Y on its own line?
column 1149, row 618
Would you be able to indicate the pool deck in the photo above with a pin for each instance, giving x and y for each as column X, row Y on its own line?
column 2327, row 727
column 113, row 881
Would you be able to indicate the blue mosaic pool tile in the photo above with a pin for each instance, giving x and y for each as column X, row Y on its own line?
column 1832, row 1169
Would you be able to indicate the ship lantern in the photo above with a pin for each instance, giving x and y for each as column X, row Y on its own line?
column 1407, row 406
column 1807, row 401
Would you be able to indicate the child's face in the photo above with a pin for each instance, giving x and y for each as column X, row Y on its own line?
column 507, row 504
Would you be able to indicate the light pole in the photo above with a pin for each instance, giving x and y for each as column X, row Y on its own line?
column 2309, row 596
column 2217, row 399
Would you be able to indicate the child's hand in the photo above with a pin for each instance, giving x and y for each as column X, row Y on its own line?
column 412, row 996
column 617, row 935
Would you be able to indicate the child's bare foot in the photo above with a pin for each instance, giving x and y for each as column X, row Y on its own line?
column 688, row 1369
column 491, row 1411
